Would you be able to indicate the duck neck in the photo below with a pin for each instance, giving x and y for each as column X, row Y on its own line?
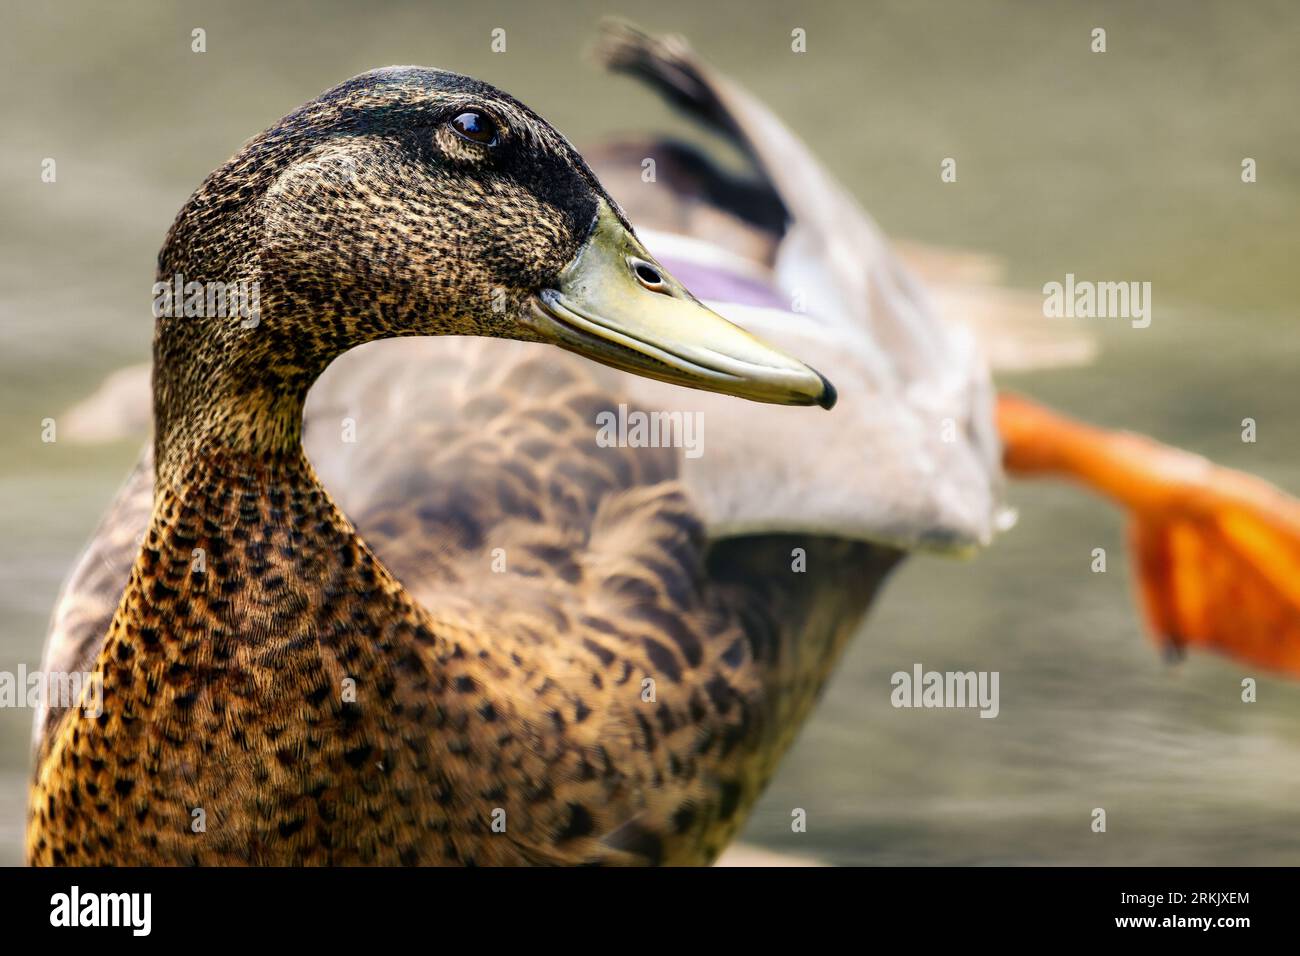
column 259, row 658
column 237, row 506
column 229, row 410
column 243, row 530
column 249, row 539
column 233, row 487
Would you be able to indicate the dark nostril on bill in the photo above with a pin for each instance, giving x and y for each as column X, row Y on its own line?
column 648, row 274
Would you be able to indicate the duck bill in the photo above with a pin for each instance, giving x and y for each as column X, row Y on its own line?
column 616, row 305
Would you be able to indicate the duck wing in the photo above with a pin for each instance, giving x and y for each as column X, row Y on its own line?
column 1216, row 550
column 910, row 454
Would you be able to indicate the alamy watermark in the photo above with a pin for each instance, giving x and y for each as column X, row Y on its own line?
column 1098, row 300
column 133, row 911
column 641, row 429
column 53, row 689
column 211, row 300
column 922, row 688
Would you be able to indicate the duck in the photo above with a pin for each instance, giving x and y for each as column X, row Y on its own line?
column 288, row 681
column 1216, row 551
column 376, row 594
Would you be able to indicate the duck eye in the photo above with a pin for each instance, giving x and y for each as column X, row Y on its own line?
column 476, row 127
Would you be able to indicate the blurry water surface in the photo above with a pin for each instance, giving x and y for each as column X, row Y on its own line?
column 1115, row 166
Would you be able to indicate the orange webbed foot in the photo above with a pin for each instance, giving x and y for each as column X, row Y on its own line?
column 1217, row 551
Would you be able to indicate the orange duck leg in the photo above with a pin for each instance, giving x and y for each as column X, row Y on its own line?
column 1217, row 551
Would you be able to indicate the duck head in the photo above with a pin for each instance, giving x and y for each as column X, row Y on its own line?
column 411, row 201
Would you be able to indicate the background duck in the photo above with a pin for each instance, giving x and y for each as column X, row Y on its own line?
column 1217, row 551
column 923, row 618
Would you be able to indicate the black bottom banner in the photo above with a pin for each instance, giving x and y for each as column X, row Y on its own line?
column 554, row 907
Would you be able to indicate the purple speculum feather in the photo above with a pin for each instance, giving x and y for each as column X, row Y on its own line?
column 721, row 285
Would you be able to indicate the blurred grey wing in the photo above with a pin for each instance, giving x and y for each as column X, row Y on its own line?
column 909, row 456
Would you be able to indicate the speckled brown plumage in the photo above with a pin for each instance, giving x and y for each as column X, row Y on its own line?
column 477, row 690
column 223, row 690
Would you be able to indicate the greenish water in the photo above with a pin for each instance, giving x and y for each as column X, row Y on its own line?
column 1123, row 165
